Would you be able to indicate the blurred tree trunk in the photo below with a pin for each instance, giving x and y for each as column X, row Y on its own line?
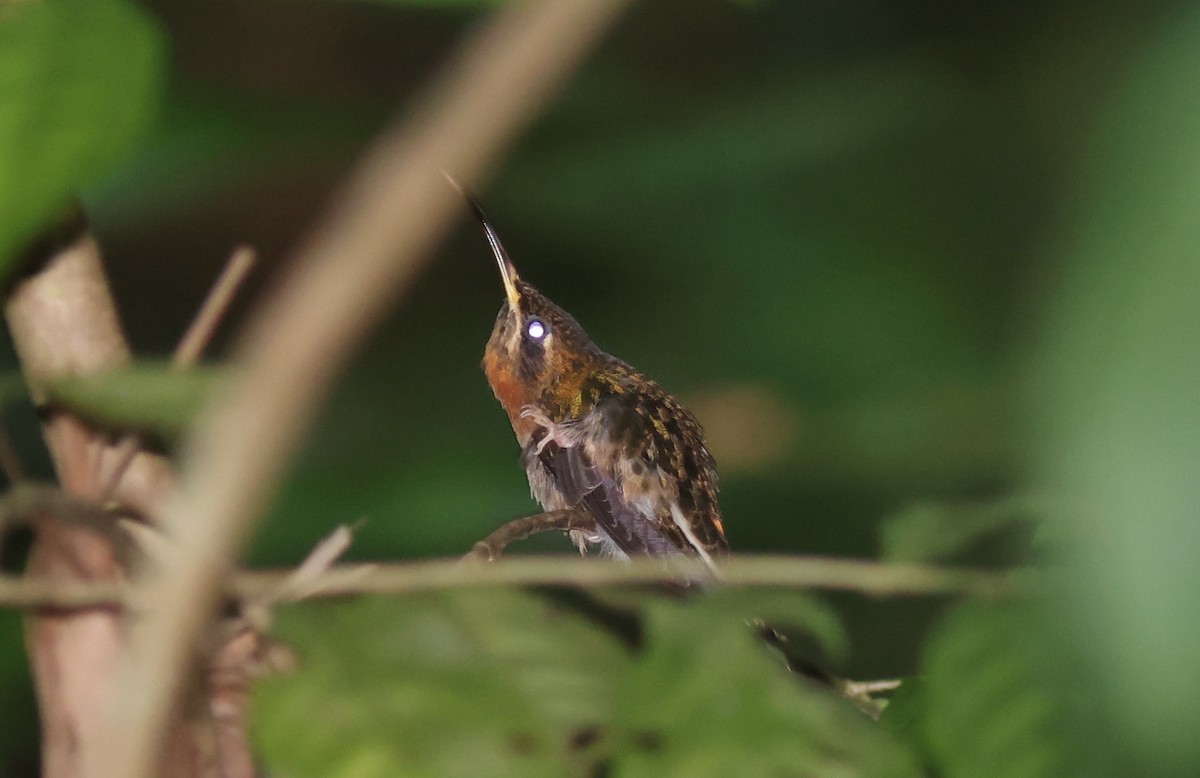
column 63, row 321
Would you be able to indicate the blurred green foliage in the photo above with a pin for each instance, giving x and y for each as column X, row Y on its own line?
column 1123, row 406
column 513, row 683
column 79, row 83
column 150, row 398
column 925, row 272
column 984, row 705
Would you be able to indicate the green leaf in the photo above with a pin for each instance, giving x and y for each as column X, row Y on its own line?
column 148, row 397
column 904, row 715
column 79, row 83
column 962, row 534
column 487, row 683
column 512, row 683
column 989, row 707
column 703, row 702
column 782, row 610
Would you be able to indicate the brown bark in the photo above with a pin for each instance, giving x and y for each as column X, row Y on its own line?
column 63, row 321
column 490, row 548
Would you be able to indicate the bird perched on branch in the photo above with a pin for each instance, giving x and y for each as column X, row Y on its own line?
column 596, row 434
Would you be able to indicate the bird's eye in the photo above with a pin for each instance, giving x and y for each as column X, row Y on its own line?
column 535, row 329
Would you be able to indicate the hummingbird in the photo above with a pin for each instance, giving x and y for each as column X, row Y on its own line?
column 596, row 434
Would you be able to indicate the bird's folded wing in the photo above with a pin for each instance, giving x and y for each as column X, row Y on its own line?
column 595, row 489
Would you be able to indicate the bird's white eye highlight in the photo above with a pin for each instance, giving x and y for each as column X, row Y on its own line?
column 535, row 329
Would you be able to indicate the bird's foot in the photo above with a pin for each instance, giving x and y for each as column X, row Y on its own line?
column 542, row 420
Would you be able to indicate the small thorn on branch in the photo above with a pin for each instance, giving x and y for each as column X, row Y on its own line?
column 307, row 579
column 494, row 544
column 871, row 688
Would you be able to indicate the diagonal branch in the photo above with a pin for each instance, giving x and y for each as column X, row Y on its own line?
column 359, row 260
column 200, row 332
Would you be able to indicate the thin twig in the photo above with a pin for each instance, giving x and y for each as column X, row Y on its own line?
column 127, row 448
column 200, row 332
column 24, row 502
column 39, row 593
column 305, row 579
column 193, row 343
column 357, row 262
column 494, row 544
column 852, row 575
column 865, row 577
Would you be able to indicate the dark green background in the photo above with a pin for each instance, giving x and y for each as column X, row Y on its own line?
column 849, row 234
column 840, row 206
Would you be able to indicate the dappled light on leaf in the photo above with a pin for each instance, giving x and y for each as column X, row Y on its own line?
column 534, row 686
